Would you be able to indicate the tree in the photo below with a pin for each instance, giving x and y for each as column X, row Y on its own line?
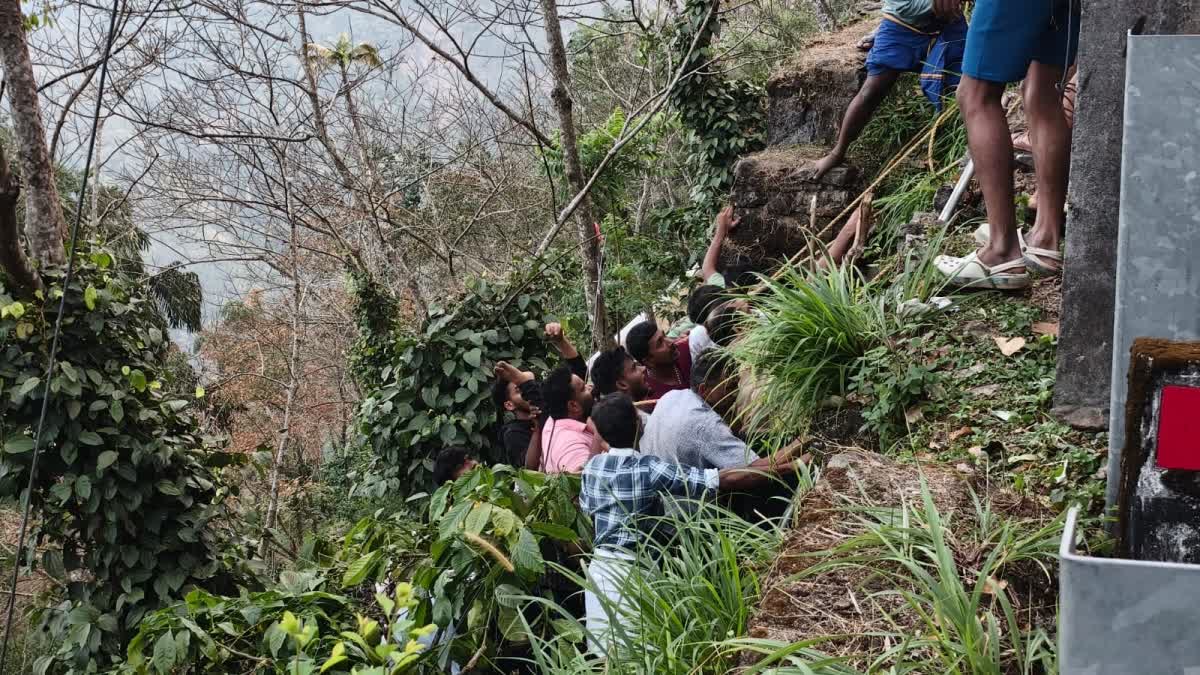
column 45, row 226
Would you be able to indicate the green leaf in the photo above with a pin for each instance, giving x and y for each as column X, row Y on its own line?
column 73, row 408
column 199, row 392
column 89, row 299
column 478, row 517
column 165, row 653
column 116, row 411
column 18, row 444
column 526, row 556
column 358, row 570
column 168, row 488
column 101, row 259
column 473, row 357
column 555, row 531
column 106, row 459
column 503, row 521
column 338, row 655
column 83, row 487
column 448, row 367
column 90, row 438
column 28, row 386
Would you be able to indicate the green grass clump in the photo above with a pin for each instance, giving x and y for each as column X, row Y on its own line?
column 804, row 339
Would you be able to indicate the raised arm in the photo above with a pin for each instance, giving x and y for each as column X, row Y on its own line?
column 721, row 228
column 533, row 454
column 558, row 337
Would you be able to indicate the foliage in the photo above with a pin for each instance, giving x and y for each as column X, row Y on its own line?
column 611, row 188
column 688, row 594
column 433, row 383
column 804, row 340
column 125, row 485
column 493, row 527
column 969, row 622
column 891, row 381
column 724, row 116
column 297, row 627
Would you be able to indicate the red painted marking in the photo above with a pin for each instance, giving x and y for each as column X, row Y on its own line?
column 1179, row 429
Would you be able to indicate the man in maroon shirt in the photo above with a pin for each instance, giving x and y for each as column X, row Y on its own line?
column 668, row 364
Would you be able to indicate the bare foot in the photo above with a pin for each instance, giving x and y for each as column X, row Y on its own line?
column 509, row 373
column 823, row 165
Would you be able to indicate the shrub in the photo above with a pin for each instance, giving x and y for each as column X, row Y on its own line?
column 125, row 485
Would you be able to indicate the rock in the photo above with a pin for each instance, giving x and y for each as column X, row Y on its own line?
column 809, row 94
column 1088, row 418
column 773, row 192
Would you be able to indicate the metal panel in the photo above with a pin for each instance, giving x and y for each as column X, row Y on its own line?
column 1123, row 617
column 1158, row 248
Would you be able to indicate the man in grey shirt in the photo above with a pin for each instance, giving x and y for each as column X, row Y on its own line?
column 688, row 425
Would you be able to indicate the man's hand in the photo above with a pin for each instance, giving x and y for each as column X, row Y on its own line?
column 535, row 421
column 726, row 223
column 555, row 334
column 948, row 9
column 509, row 373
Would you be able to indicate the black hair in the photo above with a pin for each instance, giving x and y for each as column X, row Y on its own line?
column 447, row 462
column 710, row 369
column 557, row 391
column 724, row 325
column 607, row 370
column 616, row 420
column 638, row 339
column 499, row 398
column 741, row 275
column 702, row 301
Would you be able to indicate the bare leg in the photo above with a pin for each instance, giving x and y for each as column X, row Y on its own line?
column 864, row 105
column 1051, row 152
column 991, row 149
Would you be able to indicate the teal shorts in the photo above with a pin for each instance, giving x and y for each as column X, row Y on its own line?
column 1007, row 35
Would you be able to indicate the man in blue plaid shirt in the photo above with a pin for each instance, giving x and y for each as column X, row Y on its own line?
column 624, row 490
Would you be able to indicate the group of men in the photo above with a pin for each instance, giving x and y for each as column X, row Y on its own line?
column 1007, row 41
column 649, row 421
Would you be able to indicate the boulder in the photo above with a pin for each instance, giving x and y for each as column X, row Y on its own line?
column 809, row 93
column 772, row 195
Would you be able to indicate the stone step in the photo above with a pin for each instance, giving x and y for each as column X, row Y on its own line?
column 809, row 93
column 772, row 195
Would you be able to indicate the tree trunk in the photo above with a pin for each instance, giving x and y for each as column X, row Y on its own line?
column 13, row 262
column 289, row 401
column 45, row 226
column 585, row 215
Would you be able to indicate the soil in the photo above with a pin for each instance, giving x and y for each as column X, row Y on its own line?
column 851, row 604
column 826, row 53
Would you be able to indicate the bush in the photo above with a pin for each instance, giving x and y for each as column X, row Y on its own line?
column 432, row 384
column 125, row 485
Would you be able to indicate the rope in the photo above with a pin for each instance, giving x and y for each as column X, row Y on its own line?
column 37, row 438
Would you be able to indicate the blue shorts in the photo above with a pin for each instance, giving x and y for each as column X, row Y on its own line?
column 1007, row 35
column 937, row 56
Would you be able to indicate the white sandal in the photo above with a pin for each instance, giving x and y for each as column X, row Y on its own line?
column 970, row 272
column 1032, row 253
column 983, row 235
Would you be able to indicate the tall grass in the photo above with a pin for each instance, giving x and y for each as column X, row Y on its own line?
column 690, row 595
column 960, row 618
column 803, row 340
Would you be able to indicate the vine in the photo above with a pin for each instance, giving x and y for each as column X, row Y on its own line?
column 724, row 116
column 125, row 484
column 431, row 387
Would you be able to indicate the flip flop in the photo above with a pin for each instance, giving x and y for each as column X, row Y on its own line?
column 970, row 272
column 1032, row 253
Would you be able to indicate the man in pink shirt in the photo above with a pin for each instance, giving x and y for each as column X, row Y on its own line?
column 567, row 443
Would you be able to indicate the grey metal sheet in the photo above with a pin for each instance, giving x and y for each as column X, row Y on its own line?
column 1126, row 617
column 1158, row 247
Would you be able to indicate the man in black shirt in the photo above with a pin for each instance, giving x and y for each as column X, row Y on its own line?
column 519, row 393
